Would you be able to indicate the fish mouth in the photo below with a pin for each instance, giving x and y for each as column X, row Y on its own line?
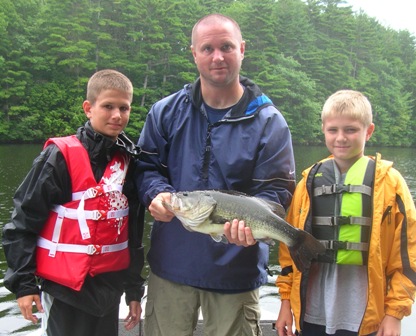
column 176, row 204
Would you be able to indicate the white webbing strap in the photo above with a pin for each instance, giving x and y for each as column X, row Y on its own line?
column 75, row 248
column 90, row 214
column 82, row 220
column 60, row 210
column 93, row 192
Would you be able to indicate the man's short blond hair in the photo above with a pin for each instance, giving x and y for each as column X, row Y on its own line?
column 214, row 19
column 108, row 79
column 348, row 103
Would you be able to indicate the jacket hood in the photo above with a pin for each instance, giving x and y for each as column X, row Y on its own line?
column 247, row 106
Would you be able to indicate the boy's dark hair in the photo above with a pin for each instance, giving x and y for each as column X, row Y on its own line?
column 108, row 79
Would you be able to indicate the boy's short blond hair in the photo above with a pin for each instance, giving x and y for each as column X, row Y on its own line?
column 108, row 79
column 348, row 103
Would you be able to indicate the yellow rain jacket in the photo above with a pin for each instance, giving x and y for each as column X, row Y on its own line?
column 392, row 251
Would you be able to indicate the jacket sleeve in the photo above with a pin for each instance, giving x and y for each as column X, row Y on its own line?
column 152, row 175
column 46, row 183
column 274, row 173
column 401, row 261
column 297, row 207
column 133, row 281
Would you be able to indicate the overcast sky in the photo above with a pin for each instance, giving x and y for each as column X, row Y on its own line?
column 397, row 14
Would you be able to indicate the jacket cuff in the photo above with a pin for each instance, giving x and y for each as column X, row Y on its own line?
column 285, row 296
column 29, row 291
column 135, row 294
column 399, row 314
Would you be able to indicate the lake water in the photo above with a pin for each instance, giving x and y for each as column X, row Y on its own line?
column 15, row 161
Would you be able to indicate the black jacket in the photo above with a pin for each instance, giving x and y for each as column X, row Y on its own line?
column 47, row 183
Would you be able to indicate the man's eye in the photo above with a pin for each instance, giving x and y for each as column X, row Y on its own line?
column 207, row 49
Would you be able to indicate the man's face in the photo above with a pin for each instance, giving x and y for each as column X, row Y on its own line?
column 110, row 113
column 218, row 53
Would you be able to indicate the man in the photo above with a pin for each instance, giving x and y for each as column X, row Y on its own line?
column 220, row 133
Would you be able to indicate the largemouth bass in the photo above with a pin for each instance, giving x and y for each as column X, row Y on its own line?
column 206, row 212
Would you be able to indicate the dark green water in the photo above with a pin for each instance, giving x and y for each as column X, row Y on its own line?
column 15, row 161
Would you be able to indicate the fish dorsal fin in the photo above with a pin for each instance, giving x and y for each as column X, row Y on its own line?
column 275, row 207
column 234, row 192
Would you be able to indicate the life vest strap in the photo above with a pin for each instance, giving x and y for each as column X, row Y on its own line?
column 341, row 220
column 90, row 214
column 96, row 191
column 340, row 188
column 91, row 249
column 343, row 245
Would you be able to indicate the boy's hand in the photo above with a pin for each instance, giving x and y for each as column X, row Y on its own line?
column 390, row 326
column 25, row 304
column 133, row 318
column 284, row 322
column 238, row 233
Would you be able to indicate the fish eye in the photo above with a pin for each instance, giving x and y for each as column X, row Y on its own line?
column 185, row 194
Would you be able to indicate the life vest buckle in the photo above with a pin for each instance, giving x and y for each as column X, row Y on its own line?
column 93, row 249
column 99, row 190
column 99, row 215
column 341, row 220
column 337, row 245
column 345, row 188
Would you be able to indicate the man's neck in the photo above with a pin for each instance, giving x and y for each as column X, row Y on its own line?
column 221, row 97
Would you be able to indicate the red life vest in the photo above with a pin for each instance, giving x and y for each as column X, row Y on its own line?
column 88, row 235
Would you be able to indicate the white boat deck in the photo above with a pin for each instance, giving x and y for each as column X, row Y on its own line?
column 270, row 306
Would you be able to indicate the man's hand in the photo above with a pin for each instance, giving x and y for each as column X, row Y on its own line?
column 158, row 211
column 238, row 233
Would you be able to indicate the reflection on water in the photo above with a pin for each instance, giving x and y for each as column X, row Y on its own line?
column 16, row 160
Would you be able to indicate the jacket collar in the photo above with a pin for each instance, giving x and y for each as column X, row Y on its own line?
column 247, row 106
column 98, row 144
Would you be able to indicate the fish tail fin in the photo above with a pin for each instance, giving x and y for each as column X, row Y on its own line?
column 306, row 248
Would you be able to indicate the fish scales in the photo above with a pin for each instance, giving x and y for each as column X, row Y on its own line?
column 206, row 211
column 256, row 214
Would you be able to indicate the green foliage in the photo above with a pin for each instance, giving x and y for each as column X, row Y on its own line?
column 298, row 51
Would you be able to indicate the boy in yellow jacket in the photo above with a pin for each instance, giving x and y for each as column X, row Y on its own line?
column 361, row 209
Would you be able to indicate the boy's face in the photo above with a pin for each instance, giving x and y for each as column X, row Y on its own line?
column 110, row 113
column 345, row 138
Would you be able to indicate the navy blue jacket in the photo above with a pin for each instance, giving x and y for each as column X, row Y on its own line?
column 249, row 150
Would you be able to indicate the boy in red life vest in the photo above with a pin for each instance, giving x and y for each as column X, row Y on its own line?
column 75, row 224
column 361, row 209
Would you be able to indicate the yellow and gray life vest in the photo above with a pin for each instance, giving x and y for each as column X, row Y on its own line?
column 342, row 211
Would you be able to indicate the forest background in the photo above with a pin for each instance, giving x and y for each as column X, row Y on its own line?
column 298, row 52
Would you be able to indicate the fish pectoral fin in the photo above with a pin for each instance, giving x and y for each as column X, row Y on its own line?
column 187, row 227
column 219, row 238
